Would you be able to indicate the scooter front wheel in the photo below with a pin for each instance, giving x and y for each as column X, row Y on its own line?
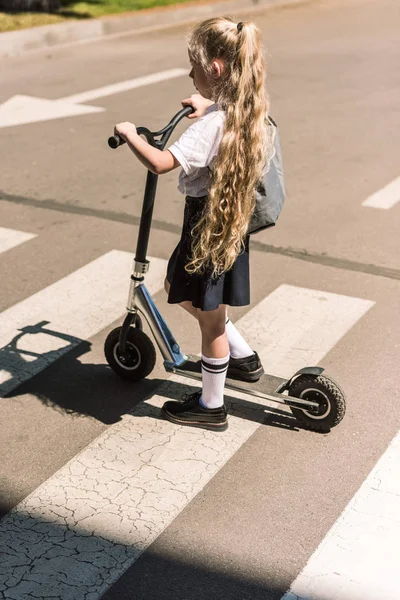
column 330, row 398
column 139, row 358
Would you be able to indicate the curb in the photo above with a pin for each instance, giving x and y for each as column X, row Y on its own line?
column 46, row 36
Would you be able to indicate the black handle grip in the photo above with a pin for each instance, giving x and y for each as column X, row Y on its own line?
column 115, row 140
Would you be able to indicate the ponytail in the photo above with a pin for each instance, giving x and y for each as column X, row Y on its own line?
column 218, row 237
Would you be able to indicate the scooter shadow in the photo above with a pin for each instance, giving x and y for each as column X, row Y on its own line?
column 81, row 389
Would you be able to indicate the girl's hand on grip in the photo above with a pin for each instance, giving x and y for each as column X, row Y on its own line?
column 199, row 104
column 125, row 129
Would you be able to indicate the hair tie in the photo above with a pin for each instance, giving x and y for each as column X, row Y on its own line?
column 240, row 26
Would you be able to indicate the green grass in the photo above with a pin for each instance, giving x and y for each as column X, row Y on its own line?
column 77, row 10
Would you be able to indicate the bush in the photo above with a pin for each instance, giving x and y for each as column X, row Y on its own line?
column 48, row 6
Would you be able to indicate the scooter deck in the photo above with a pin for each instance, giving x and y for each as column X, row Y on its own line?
column 266, row 384
column 268, row 387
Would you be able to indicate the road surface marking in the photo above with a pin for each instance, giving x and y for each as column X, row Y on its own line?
column 385, row 198
column 9, row 238
column 293, row 338
column 359, row 557
column 20, row 109
column 124, row 86
column 59, row 317
column 77, row 533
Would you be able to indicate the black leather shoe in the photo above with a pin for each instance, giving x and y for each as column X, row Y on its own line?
column 190, row 412
column 245, row 369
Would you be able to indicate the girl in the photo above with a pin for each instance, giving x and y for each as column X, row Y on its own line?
column 222, row 157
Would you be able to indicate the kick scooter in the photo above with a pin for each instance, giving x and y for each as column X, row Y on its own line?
column 314, row 399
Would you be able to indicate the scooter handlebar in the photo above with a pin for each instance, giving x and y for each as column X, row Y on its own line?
column 116, row 140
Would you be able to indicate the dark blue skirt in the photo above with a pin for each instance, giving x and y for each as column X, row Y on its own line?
column 231, row 288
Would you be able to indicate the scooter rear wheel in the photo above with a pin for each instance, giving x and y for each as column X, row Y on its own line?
column 328, row 395
column 140, row 356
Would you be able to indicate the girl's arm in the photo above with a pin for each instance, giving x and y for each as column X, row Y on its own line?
column 155, row 160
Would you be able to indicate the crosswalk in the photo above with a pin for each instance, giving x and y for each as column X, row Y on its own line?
column 40, row 329
column 385, row 198
column 359, row 557
column 80, row 530
column 9, row 238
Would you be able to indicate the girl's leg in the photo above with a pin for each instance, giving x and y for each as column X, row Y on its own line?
column 214, row 342
column 245, row 364
column 206, row 408
column 238, row 347
column 214, row 356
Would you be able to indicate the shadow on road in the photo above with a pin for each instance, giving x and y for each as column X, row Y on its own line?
column 63, row 382
column 66, row 384
column 37, row 545
column 71, row 562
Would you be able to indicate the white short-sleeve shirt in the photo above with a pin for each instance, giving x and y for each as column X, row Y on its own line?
column 196, row 149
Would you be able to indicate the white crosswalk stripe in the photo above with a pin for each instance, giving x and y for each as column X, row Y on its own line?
column 37, row 331
column 91, row 520
column 294, row 327
column 359, row 557
column 386, row 197
column 9, row 238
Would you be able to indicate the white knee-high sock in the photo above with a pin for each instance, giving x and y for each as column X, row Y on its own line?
column 213, row 372
column 238, row 347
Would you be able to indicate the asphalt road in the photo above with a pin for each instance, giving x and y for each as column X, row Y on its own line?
column 334, row 86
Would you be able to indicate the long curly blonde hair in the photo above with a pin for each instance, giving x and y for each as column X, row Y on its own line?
column 218, row 237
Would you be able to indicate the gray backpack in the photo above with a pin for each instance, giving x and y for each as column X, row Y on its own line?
column 270, row 194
